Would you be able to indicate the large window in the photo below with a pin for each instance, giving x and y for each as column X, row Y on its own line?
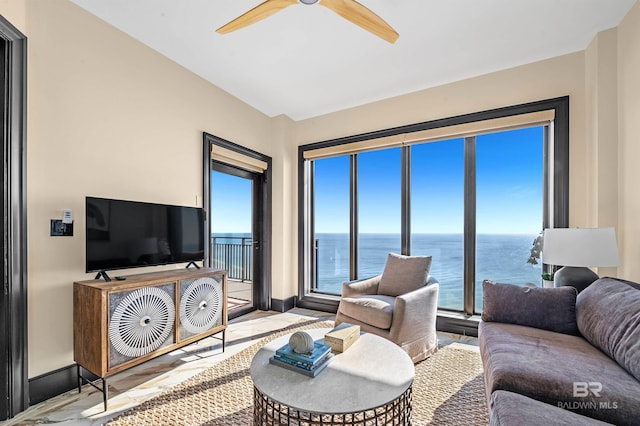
column 473, row 192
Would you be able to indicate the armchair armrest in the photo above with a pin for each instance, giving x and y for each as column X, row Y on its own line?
column 415, row 313
column 360, row 287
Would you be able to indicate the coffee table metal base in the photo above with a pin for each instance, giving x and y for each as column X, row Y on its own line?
column 269, row 412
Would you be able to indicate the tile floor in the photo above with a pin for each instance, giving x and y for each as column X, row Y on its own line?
column 147, row 380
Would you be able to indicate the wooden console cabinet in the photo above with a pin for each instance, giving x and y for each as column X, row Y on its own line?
column 122, row 323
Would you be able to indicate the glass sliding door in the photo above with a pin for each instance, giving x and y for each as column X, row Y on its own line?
column 232, row 238
column 509, row 206
column 379, row 203
column 437, row 214
column 331, row 222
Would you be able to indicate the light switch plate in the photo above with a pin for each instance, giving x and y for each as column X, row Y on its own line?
column 67, row 216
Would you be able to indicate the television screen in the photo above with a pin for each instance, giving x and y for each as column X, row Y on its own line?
column 127, row 234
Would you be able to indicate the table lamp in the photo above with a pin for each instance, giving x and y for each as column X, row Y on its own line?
column 575, row 249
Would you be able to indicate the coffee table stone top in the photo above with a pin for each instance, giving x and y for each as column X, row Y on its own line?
column 372, row 372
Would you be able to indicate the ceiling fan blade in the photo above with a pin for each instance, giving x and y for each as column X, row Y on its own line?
column 360, row 15
column 258, row 13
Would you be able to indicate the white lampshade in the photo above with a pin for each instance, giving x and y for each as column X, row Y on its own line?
column 580, row 247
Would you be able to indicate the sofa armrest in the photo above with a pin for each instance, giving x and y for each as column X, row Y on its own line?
column 415, row 313
column 360, row 287
column 551, row 309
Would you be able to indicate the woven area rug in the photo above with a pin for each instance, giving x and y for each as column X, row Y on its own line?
column 448, row 390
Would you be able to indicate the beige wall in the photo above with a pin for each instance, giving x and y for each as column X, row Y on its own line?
column 285, row 213
column 602, row 134
column 629, row 143
column 14, row 12
column 109, row 117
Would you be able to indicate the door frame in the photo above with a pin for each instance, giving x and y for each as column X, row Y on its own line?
column 261, row 216
column 14, row 391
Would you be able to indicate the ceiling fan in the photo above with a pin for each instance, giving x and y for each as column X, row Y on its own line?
column 350, row 10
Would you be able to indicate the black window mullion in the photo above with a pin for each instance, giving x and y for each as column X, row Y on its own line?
column 405, row 190
column 313, row 244
column 469, row 224
column 560, row 128
column 353, row 220
column 546, row 174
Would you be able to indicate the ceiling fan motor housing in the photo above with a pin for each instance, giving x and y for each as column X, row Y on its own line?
column 308, row 1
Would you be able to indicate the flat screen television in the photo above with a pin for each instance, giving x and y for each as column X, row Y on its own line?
column 128, row 234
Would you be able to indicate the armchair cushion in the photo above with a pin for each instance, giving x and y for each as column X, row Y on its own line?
column 403, row 274
column 551, row 309
column 376, row 310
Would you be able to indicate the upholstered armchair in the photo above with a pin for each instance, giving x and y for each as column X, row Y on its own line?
column 400, row 305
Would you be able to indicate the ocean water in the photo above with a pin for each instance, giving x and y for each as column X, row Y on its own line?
column 501, row 258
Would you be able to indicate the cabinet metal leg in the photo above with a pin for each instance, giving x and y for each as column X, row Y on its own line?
column 105, row 393
column 104, row 389
column 79, row 378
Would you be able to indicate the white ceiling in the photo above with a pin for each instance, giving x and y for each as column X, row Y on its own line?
column 307, row 61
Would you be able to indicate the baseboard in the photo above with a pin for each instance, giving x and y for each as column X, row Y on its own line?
column 54, row 383
column 280, row 305
column 316, row 303
column 464, row 327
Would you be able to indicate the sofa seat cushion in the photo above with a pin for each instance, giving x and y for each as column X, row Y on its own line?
column 508, row 408
column 376, row 310
column 553, row 367
column 608, row 314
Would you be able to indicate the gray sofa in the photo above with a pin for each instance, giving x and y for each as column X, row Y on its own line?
column 553, row 358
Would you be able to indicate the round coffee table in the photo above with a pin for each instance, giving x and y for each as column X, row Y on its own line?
column 369, row 383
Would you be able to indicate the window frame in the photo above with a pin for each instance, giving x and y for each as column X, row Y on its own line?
column 556, row 174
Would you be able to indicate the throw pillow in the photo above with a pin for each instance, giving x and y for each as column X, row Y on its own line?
column 608, row 313
column 403, row 274
column 551, row 309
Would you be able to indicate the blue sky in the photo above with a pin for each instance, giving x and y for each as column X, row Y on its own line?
column 230, row 204
column 508, row 199
column 509, row 187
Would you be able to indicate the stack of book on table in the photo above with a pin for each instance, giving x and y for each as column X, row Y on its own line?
column 310, row 363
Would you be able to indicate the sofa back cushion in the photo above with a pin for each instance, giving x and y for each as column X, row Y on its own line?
column 403, row 274
column 551, row 309
column 608, row 316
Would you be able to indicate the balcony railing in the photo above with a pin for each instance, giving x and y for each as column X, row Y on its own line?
column 233, row 254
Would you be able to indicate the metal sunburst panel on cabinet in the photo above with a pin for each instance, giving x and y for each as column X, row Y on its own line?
column 201, row 305
column 141, row 321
